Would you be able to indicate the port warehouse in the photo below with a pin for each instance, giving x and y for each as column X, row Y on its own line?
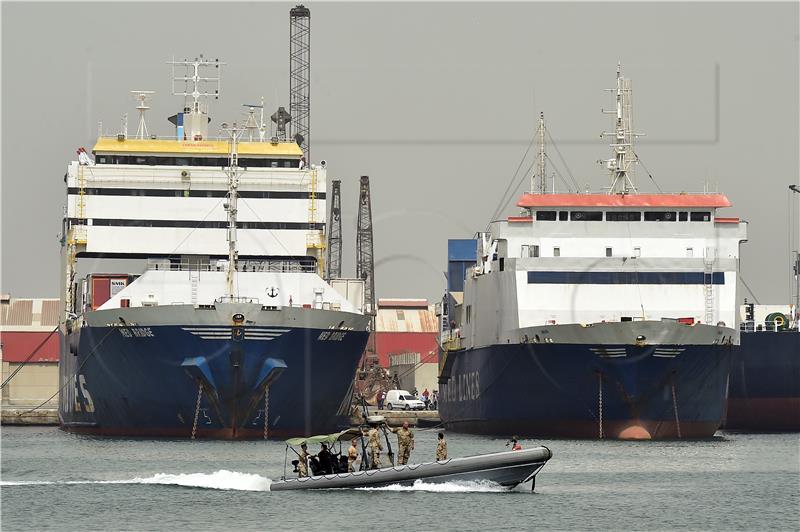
column 24, row 325
column 406, row 331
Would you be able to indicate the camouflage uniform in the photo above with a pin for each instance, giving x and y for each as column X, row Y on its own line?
column 405, row 442
column 375, row 448
column 441, row 450
column 302, row 463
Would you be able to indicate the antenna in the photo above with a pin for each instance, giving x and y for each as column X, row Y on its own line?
column 198, row 85
column 621, row 164
column 142, row 97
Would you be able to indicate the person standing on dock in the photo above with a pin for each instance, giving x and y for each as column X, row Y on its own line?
column 441, row 449
column 375, row 448
column 405, row 442
column 381, row 397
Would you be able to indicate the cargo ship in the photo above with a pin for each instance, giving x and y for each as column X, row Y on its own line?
column 594, row 315
column 764, row 392
column 193, row 298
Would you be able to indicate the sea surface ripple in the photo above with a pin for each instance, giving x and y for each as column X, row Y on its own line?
column 51, row 480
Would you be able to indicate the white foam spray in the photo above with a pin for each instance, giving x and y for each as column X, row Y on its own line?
column 219, row 480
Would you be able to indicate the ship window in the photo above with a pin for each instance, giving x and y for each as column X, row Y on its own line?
column 502, row 264
column 140, row 160
column 101, row 159
column 586, row 216
column 562, row 216
column 689, row 252
column 683, row 216
column 546, row 215
column 701, row 217
column 525, row 251
column 637, row 252
column 533, row 251
column 609, row 252
column 400, row 315
column 556, row 252
column 181, row 161
column 468, row 313
column 659, row 216
column 623, row 216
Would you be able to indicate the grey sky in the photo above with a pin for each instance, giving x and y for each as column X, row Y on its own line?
column 435, row 102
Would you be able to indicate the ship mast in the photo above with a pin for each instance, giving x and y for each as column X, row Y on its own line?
column 621, row 164
column 540, row 186
column 234, row 132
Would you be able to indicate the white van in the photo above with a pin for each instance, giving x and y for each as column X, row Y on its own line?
column 403, row 400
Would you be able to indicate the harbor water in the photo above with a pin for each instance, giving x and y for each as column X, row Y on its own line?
column 55, row 480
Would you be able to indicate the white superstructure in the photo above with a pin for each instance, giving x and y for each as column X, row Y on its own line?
column 197, row 204
column 602, row 258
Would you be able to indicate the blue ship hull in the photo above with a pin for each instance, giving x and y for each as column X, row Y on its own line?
column 585, row 391
column 765, row 382
column 147, row 384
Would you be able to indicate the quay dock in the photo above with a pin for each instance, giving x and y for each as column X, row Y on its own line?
column 395, row 418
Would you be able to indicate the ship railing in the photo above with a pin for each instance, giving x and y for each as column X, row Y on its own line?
column 451, row 340
column 236, row 299
column 272, row 266
column 210, row 138
column 768, row 326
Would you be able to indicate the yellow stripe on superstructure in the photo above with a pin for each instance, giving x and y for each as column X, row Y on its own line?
column 208, row 147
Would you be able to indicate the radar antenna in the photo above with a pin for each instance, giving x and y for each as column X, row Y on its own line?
column 142, row 97
column 281, row 117
column 251, row 125
column 621, row 164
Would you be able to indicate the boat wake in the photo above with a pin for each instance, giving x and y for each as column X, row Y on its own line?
column 219, row 480
column 444, row 487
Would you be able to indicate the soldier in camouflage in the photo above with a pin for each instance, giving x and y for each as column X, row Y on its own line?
column 405, row 443
column 441, row 449
column 375, row 448
column 302, row 462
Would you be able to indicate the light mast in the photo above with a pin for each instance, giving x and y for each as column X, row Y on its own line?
column 621, row 165
column 234, row 132
column 541, row 170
